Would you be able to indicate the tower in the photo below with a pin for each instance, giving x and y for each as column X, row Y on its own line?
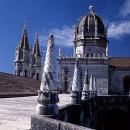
column 36, row 59
column 90, row 36
column 23, row 58
column 28, row 60
column 90, row 47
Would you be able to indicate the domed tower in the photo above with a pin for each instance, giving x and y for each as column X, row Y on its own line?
column 90, row 47
column 90, row 35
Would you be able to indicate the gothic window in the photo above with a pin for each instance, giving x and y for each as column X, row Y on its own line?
column 37, row 76
column 127, row 85
column 21, row 54
column 33, row 75
column 25, row 72
column 20, row 73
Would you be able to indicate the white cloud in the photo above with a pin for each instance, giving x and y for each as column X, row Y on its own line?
column 63, row 37
column 125, row 9
column 117, row 30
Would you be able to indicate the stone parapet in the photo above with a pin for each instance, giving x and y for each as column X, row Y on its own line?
column 45, row 123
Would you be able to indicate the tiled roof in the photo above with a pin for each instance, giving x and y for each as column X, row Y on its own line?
column 16, row 85
column 120, row 61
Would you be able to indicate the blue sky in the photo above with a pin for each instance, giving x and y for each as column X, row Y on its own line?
column 59, row 17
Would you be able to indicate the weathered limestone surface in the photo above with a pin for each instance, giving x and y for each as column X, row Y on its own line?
column 44, row 123
column 117, row 80
column 98, row 68
column 15, row 113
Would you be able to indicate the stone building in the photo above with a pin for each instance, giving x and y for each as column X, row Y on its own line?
column 91, row 49
column 99, row 84
column 28, row 60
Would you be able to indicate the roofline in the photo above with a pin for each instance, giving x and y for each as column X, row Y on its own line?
column 120, row 57
column 17, row 75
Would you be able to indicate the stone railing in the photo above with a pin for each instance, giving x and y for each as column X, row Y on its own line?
column 99, row 112
column 89, row 56
column 44, row 123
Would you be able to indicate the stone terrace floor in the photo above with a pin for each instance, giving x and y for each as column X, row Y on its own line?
column 15, row 113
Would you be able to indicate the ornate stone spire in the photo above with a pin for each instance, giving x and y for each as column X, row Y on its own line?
column 107, row 50
column 24, row 43
column 36, row 49
column 76, row 86
column 91, row 83
column 85, row 86
column 23, row 59
column 60, row 53
column 48, row 94
column 86, row 82
column 49, row 72
column 94, row 87
column 94, row 84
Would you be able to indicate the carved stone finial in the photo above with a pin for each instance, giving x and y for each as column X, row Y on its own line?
column 91, row 83
column 60, row 53
column 107, row 50
column 91, row 8
column 85, row 87
column 76, row 86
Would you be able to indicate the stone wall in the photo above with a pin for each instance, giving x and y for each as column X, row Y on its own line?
column 44, row 123
column 116, row 78
column 96, row 66
column 100, row 113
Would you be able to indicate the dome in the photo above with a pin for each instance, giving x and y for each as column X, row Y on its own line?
column 91, row 26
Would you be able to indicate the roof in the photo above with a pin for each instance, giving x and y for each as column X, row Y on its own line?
column 120, row 62
column 15, row 85
column 91, row 28
column 88, row 23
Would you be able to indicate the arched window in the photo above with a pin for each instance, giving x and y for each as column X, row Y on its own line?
column 20, row 73
column 127, row 85
column 25, row 72
column 37, row 76
column 33, row 75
